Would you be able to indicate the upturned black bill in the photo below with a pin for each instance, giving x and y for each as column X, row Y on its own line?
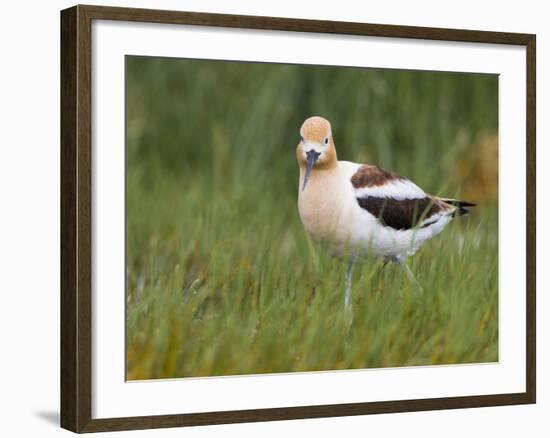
column 312, row 156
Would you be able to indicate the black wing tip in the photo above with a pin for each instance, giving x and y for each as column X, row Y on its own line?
column 463, row 207
column 458, row 203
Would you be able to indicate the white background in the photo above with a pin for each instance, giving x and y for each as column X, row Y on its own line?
column 29, row 224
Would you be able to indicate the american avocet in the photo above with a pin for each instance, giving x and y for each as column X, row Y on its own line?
column 360, row 210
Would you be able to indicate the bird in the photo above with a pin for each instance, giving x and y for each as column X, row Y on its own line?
column 356, row 211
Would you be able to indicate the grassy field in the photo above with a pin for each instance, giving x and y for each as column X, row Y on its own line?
column 221, row 277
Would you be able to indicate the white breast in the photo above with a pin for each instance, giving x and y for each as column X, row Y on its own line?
column 328, row 207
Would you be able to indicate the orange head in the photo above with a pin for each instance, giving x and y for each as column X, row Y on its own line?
column 316, row 149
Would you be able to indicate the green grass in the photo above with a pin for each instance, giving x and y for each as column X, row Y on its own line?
column 221, row 277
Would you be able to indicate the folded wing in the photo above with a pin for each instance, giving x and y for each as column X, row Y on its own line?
column 395, row 201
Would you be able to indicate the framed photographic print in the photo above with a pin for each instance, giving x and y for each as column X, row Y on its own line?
column 268, row 218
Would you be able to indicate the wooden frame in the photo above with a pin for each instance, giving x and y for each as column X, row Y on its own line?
column 76, row 238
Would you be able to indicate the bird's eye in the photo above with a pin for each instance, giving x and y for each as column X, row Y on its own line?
column 326, row 140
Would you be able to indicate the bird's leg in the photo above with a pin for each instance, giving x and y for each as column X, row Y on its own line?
column 386, row 261
column 349, row 277
column 403, row 262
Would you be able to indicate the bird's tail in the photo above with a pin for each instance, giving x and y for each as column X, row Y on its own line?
column 462, row 207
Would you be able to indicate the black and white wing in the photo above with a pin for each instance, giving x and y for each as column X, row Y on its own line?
column 399, row 203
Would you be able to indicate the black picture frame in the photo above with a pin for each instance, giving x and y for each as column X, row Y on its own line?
column 76, row 218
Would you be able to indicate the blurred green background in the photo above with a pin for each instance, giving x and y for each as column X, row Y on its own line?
column 221, row 277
